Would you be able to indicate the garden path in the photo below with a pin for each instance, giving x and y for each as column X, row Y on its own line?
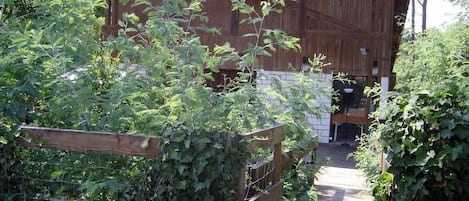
column 340, row 180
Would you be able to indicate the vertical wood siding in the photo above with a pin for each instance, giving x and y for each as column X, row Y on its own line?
column 335, row 28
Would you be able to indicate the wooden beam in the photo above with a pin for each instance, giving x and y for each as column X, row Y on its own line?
column 387, row 41
column 334, row 21
column 343, row 34
column 89, row 141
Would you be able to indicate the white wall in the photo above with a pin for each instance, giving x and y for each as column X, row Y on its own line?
column 321, row 127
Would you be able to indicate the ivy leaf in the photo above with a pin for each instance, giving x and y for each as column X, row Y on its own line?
column 181, row 184
column 181, row 168
column 462, row 132
column 456, row 151
column 446, row 134
column 199, row 186
column 187, row 143
column 447, row 123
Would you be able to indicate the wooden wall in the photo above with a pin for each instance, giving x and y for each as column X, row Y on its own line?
column 339, row 28
column 220, row 15
column 335, row 28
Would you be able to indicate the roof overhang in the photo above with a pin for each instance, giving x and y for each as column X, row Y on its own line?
column 400, row 12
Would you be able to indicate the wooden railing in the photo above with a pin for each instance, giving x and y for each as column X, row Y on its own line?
column 264, row 182
column 89, row 141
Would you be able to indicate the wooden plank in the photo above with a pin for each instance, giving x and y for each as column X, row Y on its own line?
column 343, row 34
column 262, row 171
column 274, row 193
column 84, row 141
column 264, row 138
column 334, row 21
column 234, row 28
column 288, row 159
column 277, row 162
column 340, row 118
column 242, row 183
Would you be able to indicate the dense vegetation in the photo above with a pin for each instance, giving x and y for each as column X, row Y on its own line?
column 56, row 71
column 425, row 132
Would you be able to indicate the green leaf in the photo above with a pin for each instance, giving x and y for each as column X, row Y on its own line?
column 245, row 9
column 56, row 174
column 447, row 123
column 3, row 140
column 446, row 134
column 181, row 184
column 90, row 187
column 267, row 41
column 225, row 48
column 462, row 132
column 456, row 151
column 187, row 143
column 199, row 186
column 181, row 168
column 266, row 8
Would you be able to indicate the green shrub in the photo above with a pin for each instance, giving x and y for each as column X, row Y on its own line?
column 424, row 133
column 382, row 191
column 299, row 182
column 367, row 157
column 57, row 72
column 426, row 139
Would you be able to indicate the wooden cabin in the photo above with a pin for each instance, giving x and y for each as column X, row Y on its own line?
column 359, row 37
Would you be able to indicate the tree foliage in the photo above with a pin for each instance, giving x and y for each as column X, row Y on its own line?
column 435, row 61
column 57, row 72
column 427, row 117
column 425, row 137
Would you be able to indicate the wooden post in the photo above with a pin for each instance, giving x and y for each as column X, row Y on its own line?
column 277, row 162
column 242, row 183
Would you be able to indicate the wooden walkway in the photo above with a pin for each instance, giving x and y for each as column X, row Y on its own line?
column 340, row 180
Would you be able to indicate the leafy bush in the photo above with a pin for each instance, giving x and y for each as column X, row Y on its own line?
column 9, row 160
column 425, row 132
column 426, row 139
column 298, row 184
column 367, row 157
column 435, row 61
column 382, row 191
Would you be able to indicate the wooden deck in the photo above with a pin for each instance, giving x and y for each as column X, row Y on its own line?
column 340, row 180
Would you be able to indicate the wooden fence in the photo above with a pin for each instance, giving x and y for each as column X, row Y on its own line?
column 264, row 178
